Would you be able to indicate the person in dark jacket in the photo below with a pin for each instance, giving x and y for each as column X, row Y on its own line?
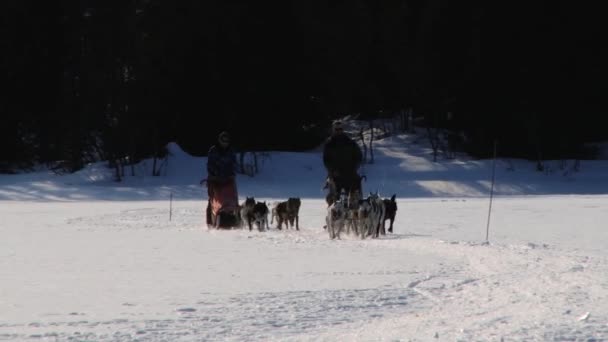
column 221, row 169
column 221, row 160
column 342, row 157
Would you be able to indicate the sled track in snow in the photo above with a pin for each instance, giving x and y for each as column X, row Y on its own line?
column 258, row 316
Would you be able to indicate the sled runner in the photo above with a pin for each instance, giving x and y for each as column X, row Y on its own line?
column 223, row 207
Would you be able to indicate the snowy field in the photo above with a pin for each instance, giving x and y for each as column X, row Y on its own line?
column 83, row 258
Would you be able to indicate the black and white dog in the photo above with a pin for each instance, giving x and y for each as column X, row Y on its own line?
column 352, row 211
column 336, row 217
column 371, row 215
column 260, row 215
column 330, row 185
column 378, row 213
column 246, row 212
column 364, row 218
column 288, row 212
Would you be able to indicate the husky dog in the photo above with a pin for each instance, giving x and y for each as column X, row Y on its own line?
column 364, row 216
column 336, row 218
column 352, row 211
column 390, row 206
column 260, row 215
column 246, row 212
column 288, row 212
column 330, row 185
column 377, row 213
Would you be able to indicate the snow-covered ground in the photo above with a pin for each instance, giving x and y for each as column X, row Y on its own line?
column 83, row 258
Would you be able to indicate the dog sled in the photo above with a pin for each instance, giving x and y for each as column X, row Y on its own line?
column 337, row 185
column 223, row 206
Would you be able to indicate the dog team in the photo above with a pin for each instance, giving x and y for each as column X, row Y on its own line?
column 254, row 213
column 362, row 217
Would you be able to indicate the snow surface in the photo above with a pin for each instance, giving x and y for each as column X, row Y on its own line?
column 83, row 258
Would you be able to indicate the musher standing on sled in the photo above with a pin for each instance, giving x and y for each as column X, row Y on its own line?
column 221, row 171
column 342, row 157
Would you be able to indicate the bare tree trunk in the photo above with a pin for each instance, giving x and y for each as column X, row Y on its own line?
column 118, row 178
column 132, row 155
column 158, row 164
column 118, row 167
column 371, row 140
column 539, row 163
column 242, row 162
column 394, row 125
column 99, row 151
column 122, row 167
column 410, row 120
column 364, row 145
column 255, row 163
column 533, row 128
column 434, row 141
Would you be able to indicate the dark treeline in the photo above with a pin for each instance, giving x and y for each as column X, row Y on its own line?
column 118, row 79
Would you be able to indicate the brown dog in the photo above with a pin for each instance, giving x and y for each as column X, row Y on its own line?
column 288, row 212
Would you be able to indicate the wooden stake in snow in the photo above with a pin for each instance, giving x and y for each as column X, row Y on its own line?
column 170, row 206
column 491, row 193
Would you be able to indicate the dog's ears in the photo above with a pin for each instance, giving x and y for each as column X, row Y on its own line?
column 393, row 197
